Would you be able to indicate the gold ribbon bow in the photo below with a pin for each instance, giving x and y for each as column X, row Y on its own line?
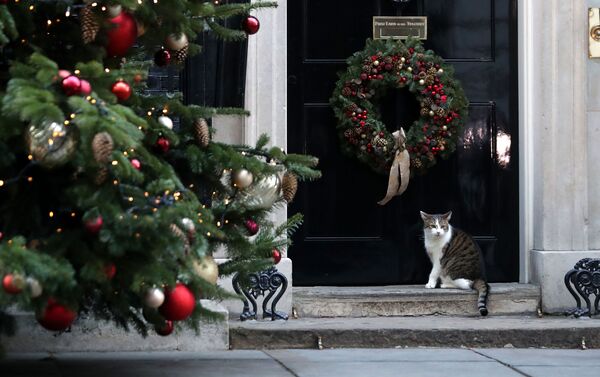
column 400, row 170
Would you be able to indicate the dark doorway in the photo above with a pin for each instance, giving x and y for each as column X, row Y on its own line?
column 347, row 238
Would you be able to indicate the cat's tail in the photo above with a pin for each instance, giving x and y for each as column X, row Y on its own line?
column 484, row 289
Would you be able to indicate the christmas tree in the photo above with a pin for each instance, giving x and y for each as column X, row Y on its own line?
column 106, row 207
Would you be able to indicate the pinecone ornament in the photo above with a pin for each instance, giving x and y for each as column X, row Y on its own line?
column 348, row 133
column 181, row 55
column 380, row 141
column 416, row 163
column 289, row 186
column 440, row 112
column 424, row 111
column 429, row 79
column 202, row 132
column 179, row 233
column 101, row 176
column 102, row 146
column 89, row 25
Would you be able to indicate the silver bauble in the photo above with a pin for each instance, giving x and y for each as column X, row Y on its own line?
column 165, row 121
column 34, row 286
column 242, row 178
column 51, row 144
column 154, row 298
column 263, row 194
column 177, row 42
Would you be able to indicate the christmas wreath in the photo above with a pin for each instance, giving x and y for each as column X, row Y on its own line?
column 385, row 64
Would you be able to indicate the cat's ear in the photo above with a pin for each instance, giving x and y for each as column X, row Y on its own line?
column 447, row 215
column 424, row 215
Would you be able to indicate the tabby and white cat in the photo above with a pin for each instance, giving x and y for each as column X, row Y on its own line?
column 455, row 256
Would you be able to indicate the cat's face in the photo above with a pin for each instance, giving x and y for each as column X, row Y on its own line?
column 436, row 226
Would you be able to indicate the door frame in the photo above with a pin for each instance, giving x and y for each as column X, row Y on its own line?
column 267, row 70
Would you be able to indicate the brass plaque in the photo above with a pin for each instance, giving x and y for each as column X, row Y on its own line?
column 594, row 33
column 397, row 27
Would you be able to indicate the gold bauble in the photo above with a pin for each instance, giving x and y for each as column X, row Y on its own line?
column 207, row 269
column 242, row 178
column 51, row 144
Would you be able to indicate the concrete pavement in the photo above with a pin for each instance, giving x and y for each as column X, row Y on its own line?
column 410, row 362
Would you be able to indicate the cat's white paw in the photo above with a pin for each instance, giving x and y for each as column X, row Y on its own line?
column 430, row 285
column 447, row 286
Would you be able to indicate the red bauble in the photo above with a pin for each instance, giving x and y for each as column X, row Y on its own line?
column 110, row 270
column 121, row 35
column 93, row 226
column 122, row 90
column 276, row 256
column 166, row 329
column 86, row 87
column 179, row 303
column 162, row 57
column 56, row 317
column 137, row 165
column 252, row 227
column 71, row 85
column 163, row 144
column 1, row 236
column 12, row 285
column 250, row 24
column 63, row 73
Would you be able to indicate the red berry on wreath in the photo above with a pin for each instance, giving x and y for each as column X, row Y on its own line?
column 166, row 329
column 363, row 76
column 276, row 254
column 71, row 85
column 250, row 24
column 163, row 144
column 13, row 284
column 56, row 317
column 122, row 90
column 179, row 303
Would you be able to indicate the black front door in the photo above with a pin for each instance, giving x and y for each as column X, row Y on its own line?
column 347, row 238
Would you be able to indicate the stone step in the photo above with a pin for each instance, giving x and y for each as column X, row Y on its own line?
column 411, row 300
column 88, row 335
column 430, row 331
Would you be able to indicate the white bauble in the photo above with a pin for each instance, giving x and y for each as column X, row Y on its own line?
column 35, row 288
column 176, row 42
column 165, row 121
column 154, row 298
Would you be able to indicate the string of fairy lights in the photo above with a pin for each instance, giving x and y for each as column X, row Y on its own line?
column 153, row 202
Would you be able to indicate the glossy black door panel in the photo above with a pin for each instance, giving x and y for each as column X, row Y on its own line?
column 347, row 238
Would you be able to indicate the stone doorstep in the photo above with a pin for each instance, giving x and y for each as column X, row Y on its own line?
column 89, row 335
column 411, row 300
column 431, row 331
